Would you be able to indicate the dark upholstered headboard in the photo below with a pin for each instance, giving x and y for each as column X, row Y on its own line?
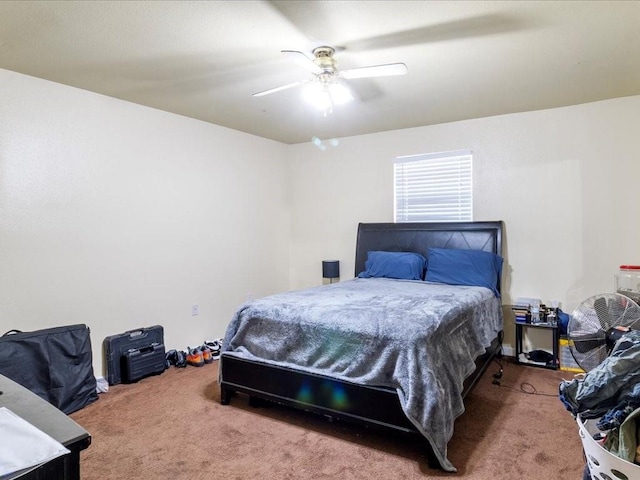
column 419, row 237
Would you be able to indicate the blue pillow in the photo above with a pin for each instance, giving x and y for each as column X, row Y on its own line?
column 465, row 267
column 402, row 265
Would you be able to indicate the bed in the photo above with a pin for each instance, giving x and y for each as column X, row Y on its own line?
column 396, row 353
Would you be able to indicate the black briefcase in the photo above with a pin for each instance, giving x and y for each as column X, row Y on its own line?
column 54, row 363
column 143, row 362
column 116, row 348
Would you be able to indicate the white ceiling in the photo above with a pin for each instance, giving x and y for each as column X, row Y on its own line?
column 204, row 59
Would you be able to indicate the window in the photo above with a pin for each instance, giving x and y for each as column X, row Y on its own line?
column 435, row 187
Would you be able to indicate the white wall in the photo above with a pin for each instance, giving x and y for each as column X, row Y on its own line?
column 564, row 181
column 121, row 216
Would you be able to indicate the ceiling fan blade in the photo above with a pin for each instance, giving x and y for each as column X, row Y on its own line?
column 303, row 60
column 471, row 27
column 375, row 71
column 279, row 89
column 322, row 21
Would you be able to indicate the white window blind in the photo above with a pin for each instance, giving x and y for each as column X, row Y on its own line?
column 434, row 187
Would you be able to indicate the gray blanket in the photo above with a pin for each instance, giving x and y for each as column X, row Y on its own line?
column 416, row 337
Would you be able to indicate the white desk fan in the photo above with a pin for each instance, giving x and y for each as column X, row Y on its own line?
column 597, row 324
column 594, row 328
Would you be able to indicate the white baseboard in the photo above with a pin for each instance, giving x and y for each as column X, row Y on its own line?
column 508, row 351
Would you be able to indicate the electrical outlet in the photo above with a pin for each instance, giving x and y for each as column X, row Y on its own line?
column 195, row 309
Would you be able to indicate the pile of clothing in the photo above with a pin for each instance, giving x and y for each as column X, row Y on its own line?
column 611, row 393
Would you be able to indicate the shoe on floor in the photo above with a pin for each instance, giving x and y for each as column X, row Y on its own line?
column 194, row 357
column 215, row 346
column 177, row 358
column 206, row 354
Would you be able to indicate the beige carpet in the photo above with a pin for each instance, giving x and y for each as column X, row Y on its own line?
column 172, row 426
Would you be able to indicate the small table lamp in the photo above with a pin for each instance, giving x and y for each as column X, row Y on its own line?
column 330, row 269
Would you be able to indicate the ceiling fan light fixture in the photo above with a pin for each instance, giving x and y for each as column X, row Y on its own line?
column 339, row 93
column 324, row 95
column 317, row 95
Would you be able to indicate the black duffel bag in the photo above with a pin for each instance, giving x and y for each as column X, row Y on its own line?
column 54, row 363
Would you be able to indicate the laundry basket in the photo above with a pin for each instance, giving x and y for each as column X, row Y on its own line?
column 602, row 464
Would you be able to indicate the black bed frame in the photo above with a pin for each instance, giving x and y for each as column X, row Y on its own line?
column 370, row 406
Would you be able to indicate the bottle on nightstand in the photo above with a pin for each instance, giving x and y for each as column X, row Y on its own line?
column 552, row 315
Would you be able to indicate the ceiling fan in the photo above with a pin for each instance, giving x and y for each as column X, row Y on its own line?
column 325, row 86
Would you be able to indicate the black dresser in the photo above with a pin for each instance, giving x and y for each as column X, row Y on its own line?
column 52, row 421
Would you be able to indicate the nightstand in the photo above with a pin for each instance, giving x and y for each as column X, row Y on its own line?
column 553, row 329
